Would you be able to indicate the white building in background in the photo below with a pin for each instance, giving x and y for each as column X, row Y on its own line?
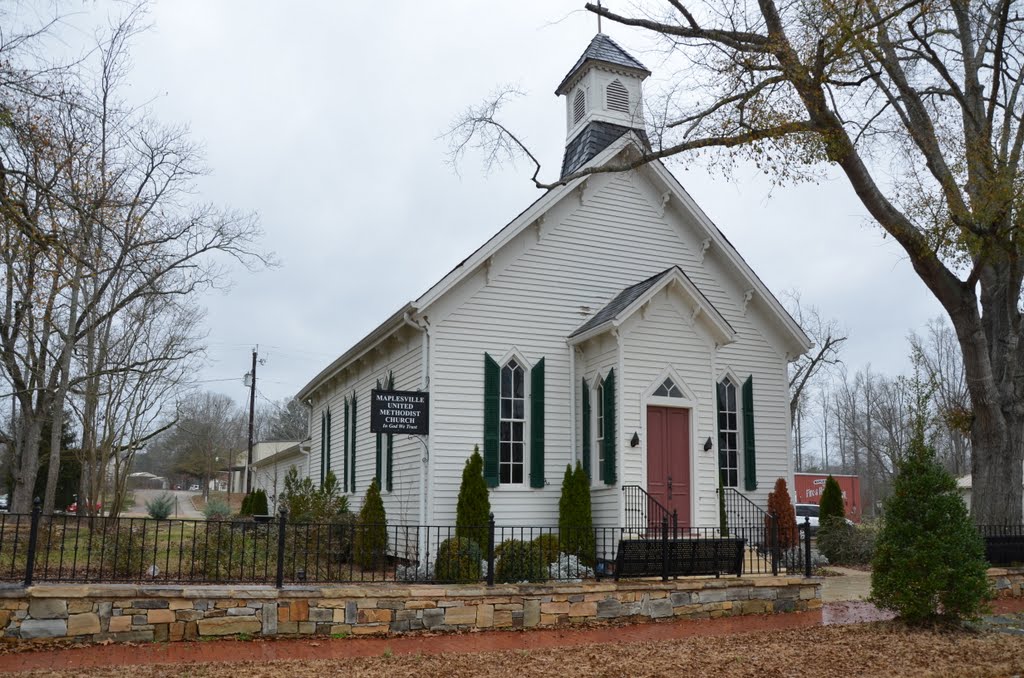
column 271, row 462
column 610, row 323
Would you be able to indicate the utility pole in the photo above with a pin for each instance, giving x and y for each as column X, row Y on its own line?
column 252, row 411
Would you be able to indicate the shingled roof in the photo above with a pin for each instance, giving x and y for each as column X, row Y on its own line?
column 594, row 138
column 621, row 302
column 603, row 49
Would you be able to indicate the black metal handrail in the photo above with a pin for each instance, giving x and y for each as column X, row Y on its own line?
column 644, row 513
column 753, row 523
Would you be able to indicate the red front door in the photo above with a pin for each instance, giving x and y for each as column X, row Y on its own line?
column 668, row 459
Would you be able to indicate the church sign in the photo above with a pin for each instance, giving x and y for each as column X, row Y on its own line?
column 399, row 411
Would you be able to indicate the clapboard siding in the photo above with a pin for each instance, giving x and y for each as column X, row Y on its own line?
column 403, row 358
column 543, row 282
column 539, row 290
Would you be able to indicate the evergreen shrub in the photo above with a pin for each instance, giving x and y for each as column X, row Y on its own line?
column 548, row 546
column 473, row 511
column 575, row 516
column 458, row 561
column 258, row 505
column 371, row 543
column 307, row 503
column 520, row 561
column 160, row 507
column 846, row 544
column 929, row 563
column 723, row 518
column 781, row 506
column 216, row 509
column 831, row 501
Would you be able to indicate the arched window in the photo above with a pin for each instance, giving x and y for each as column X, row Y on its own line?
column 579, row 106
column 728, row 433
column 618, row 97
column 599, row 432
column 512, row 423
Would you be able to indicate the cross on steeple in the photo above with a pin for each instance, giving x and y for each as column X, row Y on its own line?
column 599, row 16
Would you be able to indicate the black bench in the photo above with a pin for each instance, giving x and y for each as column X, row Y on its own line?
column 1004, row 549
column 686, row 557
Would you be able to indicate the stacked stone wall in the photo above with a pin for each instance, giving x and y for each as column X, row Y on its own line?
column 165, row 613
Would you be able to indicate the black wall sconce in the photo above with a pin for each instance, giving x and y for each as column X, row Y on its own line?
column 635, row 440
column 707, row 444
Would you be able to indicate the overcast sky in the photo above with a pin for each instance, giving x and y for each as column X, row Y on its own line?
column 324, row 118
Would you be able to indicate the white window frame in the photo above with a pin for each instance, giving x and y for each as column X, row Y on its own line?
column 723, row 432
column 526, row 368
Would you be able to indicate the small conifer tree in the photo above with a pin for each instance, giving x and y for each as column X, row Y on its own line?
column 929, row 563
column 372, row 530
column 473, row 510
column 258, row 503
column 575, row 515
column 781, row 506
column 831, row 501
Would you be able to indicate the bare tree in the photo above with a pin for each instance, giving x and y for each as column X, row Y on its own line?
column 827, row 339
column 918, row 105
column 97, row 197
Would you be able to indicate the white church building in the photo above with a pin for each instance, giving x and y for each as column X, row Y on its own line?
column 610, row 323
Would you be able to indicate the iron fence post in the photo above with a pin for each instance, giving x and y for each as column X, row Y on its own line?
column 774, row 520
column 807, row 546
column 675, row 523
column 490, row 550
column 33, row 539
column 279, row 582
column 664, row 548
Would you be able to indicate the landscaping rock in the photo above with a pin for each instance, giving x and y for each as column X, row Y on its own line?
column 44, row 628
column 48, row 608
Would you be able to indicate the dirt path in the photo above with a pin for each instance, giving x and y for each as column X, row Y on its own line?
column 75, row 660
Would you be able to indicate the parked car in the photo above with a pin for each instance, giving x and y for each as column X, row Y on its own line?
column 4, row 503
column 73, row 508
column 811, row 511
column 193, row 488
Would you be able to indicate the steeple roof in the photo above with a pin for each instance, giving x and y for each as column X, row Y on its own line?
column 605, row 50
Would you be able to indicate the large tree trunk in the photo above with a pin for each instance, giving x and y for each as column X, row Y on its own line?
column 26, row 466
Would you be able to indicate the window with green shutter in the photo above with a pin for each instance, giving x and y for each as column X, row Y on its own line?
column 537, row 425
column 389, row 452
column 377, row 450
column 749, row 461
column 323, row 443
column 492, row 378
column 728, row 433
column 352, row 470
column 610, row 441
column 327, row 454
column 585, row 437
column 344, row 438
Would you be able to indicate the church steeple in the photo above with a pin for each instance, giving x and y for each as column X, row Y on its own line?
column 603, row 100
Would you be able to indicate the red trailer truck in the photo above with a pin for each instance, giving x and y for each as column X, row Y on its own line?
column 809, row 486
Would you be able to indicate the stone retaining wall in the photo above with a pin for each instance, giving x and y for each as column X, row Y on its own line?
column 1008, row 582
column 167, row 613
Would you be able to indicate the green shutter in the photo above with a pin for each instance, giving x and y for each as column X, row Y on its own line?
column 586, row 428
column 378, row 460
column 610, row 435
column 390, row 448
column 328, row 455
column 749, row 461
column 323, row 443
column 537, row 424
column 352, row 471
column 492, row 385
column 344, row 439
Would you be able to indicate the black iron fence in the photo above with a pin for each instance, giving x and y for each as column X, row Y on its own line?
column 66, row 548
column 1004, row 544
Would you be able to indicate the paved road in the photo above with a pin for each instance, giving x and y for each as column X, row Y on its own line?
column 184, row 503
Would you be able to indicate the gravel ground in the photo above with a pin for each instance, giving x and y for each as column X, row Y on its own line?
column 879, row 649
